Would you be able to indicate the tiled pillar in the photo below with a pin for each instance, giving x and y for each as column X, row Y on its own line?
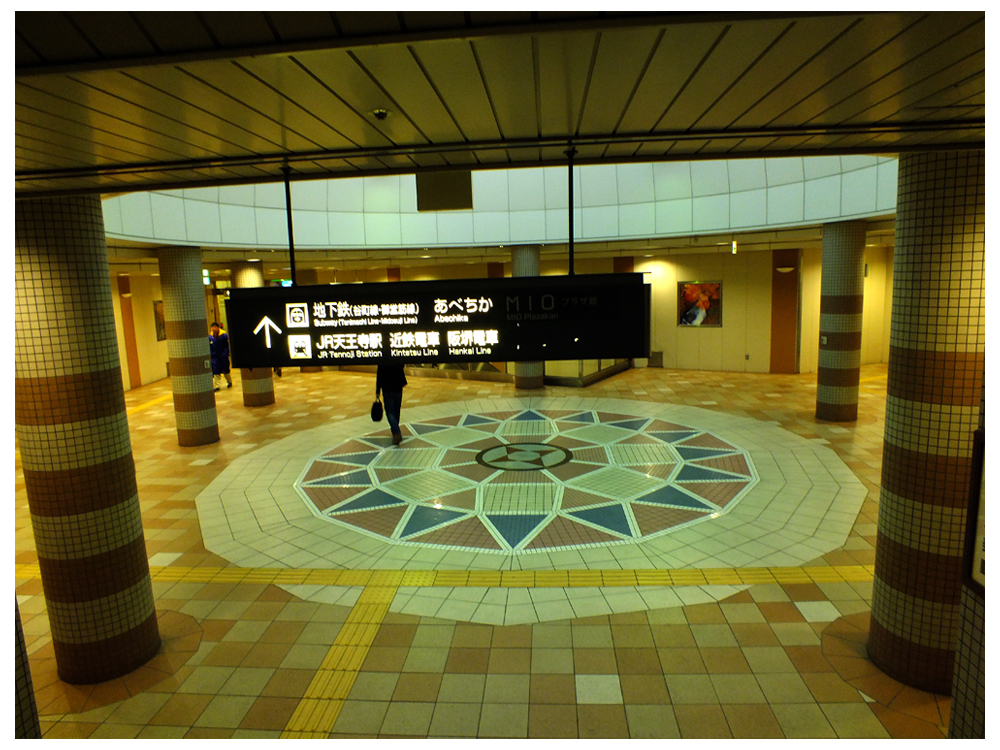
column 258, row 384
column 841, row 303
column 936, row 370
column 526, row 261
column 69, row 407
column 26, row 724
column 187, row 346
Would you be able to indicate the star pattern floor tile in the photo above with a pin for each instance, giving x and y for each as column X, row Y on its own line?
column 518, row 484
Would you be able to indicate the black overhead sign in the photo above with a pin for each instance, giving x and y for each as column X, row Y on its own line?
column 470, row 320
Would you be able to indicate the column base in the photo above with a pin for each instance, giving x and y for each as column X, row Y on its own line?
column 837, row 412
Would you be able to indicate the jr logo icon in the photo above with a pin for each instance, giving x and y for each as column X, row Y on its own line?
column 300, row 346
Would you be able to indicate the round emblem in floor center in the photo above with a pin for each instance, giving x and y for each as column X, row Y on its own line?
column 524, row 457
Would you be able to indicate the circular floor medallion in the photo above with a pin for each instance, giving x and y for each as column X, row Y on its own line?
column 528, row 480
column 524, row 457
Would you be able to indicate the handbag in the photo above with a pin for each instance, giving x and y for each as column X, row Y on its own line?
column 377, row 411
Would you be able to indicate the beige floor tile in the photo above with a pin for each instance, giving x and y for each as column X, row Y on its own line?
column 768, row 659
column 507, row 688
column 454, row 720
column 504, row 720
column 748, row 721
column 361, row 717
column 407, row 719
column 552, row 721
column 784, row 688
column 462, row 688
column 651, row 722
column 854, row 721
column 702, row 722
column 802, row 721
column 688, row 689
column 602, row 721
column 737, row 688
column 552, row 661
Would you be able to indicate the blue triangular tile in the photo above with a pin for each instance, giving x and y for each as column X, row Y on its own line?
column 475, row 419
column 515, row 528
column 358, row 459
column 423, row 429
column 587, row 416
column 670, row 495
column 611, row 517
column 632, row 424
column 425, row 517
column 369, row 500
column 697, row 473
column 691, row 454
column 529, row 416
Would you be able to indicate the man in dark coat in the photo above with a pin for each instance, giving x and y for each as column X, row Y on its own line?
column 218, row 344
column 389, row 382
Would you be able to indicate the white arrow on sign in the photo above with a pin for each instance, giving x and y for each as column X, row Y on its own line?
column 267, row 324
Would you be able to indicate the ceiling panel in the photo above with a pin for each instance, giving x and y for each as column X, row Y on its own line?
column 793, row 49
column 735, row 52
column 452, row 66
column 237, row 28
column 861, row 78
column 621, row 57
column 177, row 96
column 402, row 79
column 288, row 74
column 178, row 31
column 564, row 67
column 112, row 34
column 932, row 73
column 293, row 26
column 509, row 74
column 338, row 71
column 675, row 60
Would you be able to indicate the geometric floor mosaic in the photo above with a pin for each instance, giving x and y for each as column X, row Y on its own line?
column 528, row 480
column 532, row 484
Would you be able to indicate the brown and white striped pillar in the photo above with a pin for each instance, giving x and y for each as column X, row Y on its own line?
column 72, row 431
column 525, row 260
column 841, row 304
column 936, row 370
column 187, row 346
column 258, row 384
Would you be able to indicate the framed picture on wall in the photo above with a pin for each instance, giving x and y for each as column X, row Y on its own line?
column 161, row 326
column 699, row 303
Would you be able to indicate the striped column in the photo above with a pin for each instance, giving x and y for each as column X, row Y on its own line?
column 69, row 407
column 526, row 261
column 258, row 384
column 841, row 303
column 26, row 724
column 936, row 370
column 187, row 346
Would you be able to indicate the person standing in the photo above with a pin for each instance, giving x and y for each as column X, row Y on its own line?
column 218, row 343
column 389, row 382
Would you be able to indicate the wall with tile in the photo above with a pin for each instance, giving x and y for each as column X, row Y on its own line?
column 519, row 206
column 877, row 307
column 152, row 353
column 738, row 345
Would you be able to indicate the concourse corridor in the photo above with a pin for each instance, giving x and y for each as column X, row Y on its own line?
column 664, row 554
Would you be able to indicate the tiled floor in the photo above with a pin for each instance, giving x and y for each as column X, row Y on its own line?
column 300, row 626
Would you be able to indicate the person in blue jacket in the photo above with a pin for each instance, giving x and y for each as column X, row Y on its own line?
column 218, row 343
column 389, row 381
